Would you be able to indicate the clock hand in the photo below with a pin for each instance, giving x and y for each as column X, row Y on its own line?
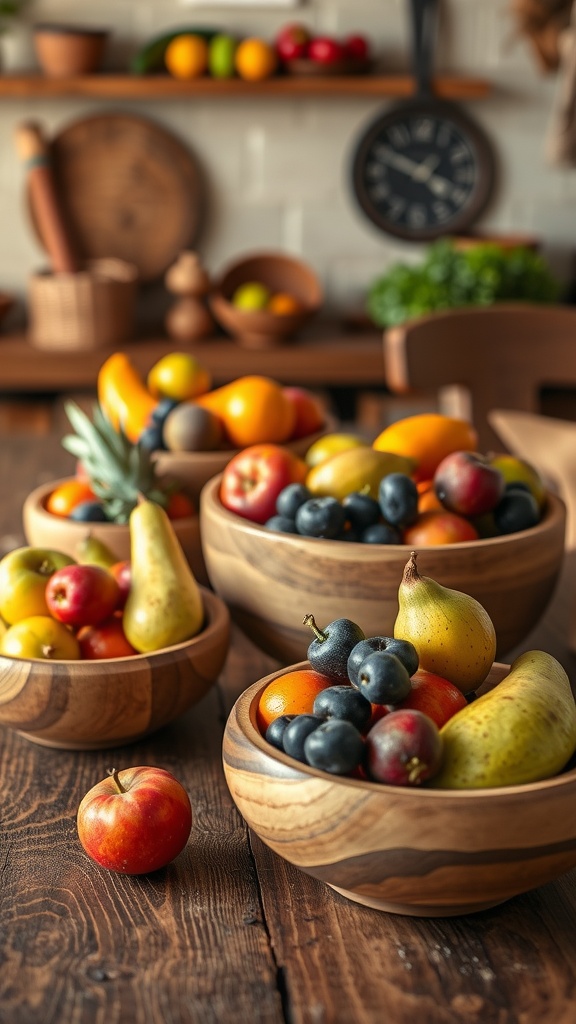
column 423, row 172
column 397, row 160
column 441, row 187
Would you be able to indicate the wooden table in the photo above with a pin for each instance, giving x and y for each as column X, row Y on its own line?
column 229, row 933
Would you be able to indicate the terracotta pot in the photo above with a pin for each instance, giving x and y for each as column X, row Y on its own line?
column 67, row 50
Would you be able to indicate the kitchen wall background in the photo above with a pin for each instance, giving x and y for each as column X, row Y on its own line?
column 277, row 169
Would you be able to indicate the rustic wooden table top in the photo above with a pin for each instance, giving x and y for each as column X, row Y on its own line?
column 229, row 932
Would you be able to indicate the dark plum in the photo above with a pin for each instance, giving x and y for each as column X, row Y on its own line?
column 361, row 510
column 329, row 651
column 275, row 730
column 403, row 649
column 403, row 749
column 152, row 437
column 381, row 533
column 518, row 510
column 295, row 733
column 336, row 747
column 89, row 512
column 321, row 517
column 344, row 702
column 281, row 524
column 398, row 499
column 290, row 499
column 164, row 407
column 383, row 679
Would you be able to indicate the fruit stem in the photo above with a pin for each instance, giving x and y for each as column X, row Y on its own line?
column 309, row 620
column 114, row 773
column 415, row 767
column 48, row 650
column 411, row 574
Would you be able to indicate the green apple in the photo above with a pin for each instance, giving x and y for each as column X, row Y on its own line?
column 24, row 574
column 518, row 471
column 251, row 296
column 40, row 636
column 221, row 55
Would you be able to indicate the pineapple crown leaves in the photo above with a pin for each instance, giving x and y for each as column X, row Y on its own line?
column 120, row 472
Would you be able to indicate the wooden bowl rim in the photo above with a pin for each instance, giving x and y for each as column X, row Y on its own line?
column 217, row 618
column 36, row 500
column 554, row 512
column 245, row 710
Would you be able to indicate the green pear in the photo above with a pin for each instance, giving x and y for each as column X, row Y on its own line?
column 165, row 605
column 522, row 731
column 92, row 551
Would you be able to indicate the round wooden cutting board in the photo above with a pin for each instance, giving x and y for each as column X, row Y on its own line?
column 127, row 188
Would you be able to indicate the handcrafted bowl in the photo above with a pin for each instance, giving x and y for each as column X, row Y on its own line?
column 194, row 469
column 270, row 580
column 67, row 50
column 280, row 273
column 422, row 852
column 91, row 705
column 42, row 529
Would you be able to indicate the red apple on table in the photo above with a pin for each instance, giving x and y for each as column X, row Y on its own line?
column 24, row 574
column 253, row 479
column 82, row 595
column 468, row 484
column 309, row 413
column 292, row 41
column 325, row 49
column 356, row 47
column 135, row 821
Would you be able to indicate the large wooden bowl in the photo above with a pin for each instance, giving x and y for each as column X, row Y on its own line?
column 91, row 705
column 44, row 530
column 270, row 581
column 423, row 852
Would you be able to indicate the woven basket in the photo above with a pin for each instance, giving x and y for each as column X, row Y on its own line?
column 93, row 308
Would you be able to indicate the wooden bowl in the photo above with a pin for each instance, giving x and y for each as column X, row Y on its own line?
column 280, row 273
column 270, row 580
column 305, row 66
column 44, row 530
column 194, row 469
column 64, row 51
column 91, row 705
column 421, row 852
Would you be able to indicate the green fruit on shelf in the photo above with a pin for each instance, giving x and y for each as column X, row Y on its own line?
column 221, row 56
column 251, row 296
column 151, row 56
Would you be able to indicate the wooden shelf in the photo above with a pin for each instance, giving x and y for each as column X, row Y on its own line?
column 325, row 356
column 134, row 87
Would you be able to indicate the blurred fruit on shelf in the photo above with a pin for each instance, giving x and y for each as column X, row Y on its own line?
column 283, row 304
column 178, row 375
column 292, row 41
column 325, row 49
column 222, row 56
column 250, row 296
column 186, row 56
column 150, row 57
column 357, row 47
column 255, row 59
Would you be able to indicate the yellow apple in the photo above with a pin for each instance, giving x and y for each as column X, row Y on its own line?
column 40, row 636
column 24, row 574
column 516, row 470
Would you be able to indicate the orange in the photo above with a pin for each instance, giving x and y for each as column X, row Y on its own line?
column 428, row 500
column 427, row 437
column 439, row 528
column 255, row 60
column 253, row 409
column 187, row 56
column 282, row 304
column 291, row 694
column 67, row 496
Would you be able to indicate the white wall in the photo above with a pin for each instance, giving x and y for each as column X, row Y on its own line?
column 277, row 169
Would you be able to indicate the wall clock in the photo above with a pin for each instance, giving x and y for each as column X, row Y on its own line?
column 423, row 169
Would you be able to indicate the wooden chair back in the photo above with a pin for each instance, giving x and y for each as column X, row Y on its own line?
column 501, row 355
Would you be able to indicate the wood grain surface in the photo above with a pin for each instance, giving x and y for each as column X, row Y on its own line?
column 231, row 933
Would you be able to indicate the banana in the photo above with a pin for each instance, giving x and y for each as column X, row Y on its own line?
column 521, row 731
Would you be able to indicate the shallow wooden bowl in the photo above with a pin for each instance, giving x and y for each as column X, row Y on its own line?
column 422, row 852
column 44, row 530
column 91, row 705
column 194, row 469
column 280, row 273
column 270, row 581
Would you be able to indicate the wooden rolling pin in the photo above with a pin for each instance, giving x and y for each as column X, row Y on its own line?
column 33, row 153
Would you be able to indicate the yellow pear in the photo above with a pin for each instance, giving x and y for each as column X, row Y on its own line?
column 92, row 551
column 521, row 731
column 451, row 631
column 164, row 606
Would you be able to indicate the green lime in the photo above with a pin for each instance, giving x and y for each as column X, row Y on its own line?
column 221, row 56
column 251, row 295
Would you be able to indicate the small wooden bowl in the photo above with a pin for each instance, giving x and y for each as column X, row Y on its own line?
column 270, row 580
column 194, row 469
column 44, row 530
column 421, row 852
column 306, row 67
column 280, row 273
column 64, row 51
column 91, row 705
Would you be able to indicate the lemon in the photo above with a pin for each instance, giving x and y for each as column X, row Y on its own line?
column 178, row 376
column 221, row 56
column 187, row 56
column 251, row 296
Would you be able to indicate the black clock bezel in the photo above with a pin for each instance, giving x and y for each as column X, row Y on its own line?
column 483, row 157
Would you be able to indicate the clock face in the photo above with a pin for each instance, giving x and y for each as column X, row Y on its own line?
column 422, row 171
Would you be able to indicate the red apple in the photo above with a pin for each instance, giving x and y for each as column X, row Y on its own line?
column 292, row 41
column 106, row 640
column 356, row 47
column 309, row 413
column 135, row 821
column 433, row 695
column 82, row 595
column 122, row 573
column 468, row 484
column 403, row 749
column 254, row 477
column 325, row 49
